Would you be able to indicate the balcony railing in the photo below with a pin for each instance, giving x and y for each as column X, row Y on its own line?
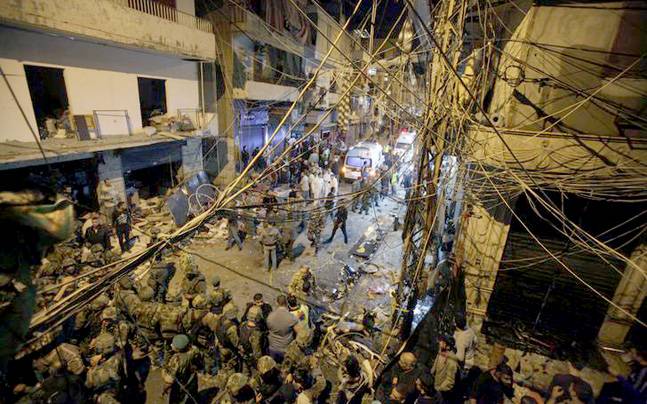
column 168, row 13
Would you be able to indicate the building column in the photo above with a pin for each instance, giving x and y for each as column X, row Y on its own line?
column 479, row 249
column 225, row 107
column 192, row 162
column 629, row 295
column 114, row 189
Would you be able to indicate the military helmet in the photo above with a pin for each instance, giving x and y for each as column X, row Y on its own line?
column 236, row 382
column 104, row 343
column 254, row 313
column 96, row 248
column 126, row 283
column 265, row 364
column 407, row 360
column 304, row 269
column 109, row 314
column 100, row 302
column 146, row 293
column 180, row 341
column 68, row 262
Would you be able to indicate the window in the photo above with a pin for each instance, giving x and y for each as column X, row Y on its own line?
column 48, row 94
column 356, row 161
column 152, row 98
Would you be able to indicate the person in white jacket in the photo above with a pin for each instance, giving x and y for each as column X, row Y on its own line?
column 317, row 187
column 305, row 186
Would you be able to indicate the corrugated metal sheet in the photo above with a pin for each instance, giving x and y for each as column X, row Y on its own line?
column 528, row 280
column 142, row 157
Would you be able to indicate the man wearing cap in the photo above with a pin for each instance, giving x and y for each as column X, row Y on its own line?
column 179, row 373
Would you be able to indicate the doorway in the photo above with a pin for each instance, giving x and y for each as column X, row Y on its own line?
column 152, row 98
column 47, row 92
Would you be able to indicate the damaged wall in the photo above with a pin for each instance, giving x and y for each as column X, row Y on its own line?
column 96, row 77
column 113, row 22
column 192, row 157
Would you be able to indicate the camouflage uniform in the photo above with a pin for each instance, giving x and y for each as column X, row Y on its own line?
column 227, row 337
column 126, row 297
column 193, row 284
column 64, row 357
column 268, row 380
column 106, row 378
column 302, row 283
column 298, row 352
column 170, row 320
column 251, row 336
column 315, row 228
column 159, row 278
column 35, row 223
column 238, row 390
column 179, row 372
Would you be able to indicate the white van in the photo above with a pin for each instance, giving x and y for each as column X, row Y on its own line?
column 363, row 152
column 404, row 146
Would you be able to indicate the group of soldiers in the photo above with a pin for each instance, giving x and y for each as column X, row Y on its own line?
column 198, row 337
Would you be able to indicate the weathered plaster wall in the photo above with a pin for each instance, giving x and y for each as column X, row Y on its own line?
column 96, row 77
column 110, row 21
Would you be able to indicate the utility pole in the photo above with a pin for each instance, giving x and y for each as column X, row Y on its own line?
column 421, row 221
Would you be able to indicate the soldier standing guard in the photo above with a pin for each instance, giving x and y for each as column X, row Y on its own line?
column 314, row 230
column 180, row 372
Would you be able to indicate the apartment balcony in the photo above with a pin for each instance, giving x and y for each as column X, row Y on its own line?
column 134, row 24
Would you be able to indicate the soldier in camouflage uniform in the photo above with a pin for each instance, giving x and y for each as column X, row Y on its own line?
column 146, row 316
column 179, row 372
column 126, row 297
column 227, row 338
column 35, row 222
column 159, row 278
column 171, row 320
column 105, row 376
column 238, row 390
column 193, row 283
column 366, row 197
column 303, row 283
column 201, row 325
column 315, row 227
column 252, row 336
column 64, row 358
column 298, row 351
column 87, row 323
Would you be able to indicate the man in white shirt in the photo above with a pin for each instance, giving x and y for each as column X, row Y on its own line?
column 317, row 187
column 305, row 185
column 466, row 340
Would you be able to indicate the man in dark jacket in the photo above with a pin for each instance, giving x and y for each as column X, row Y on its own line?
column 122, row 221
column 340, row 223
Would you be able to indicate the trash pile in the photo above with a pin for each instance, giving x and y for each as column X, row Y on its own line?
column 166, row 123
column 152, row 218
